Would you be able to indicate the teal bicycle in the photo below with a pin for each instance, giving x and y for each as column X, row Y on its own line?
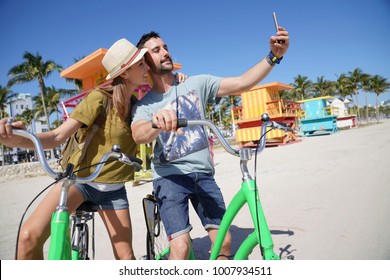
column 157, row 245
column 70, row 232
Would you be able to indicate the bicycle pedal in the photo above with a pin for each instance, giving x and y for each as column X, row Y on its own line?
column 290, row 257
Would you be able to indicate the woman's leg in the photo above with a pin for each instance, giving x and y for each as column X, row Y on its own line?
column 118, row 225
column 36, row 230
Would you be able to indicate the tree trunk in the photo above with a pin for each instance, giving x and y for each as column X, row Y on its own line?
column 357, row 107
column 42, row 88
column 1, row 145
column 2, row 155
column 377, row 108
column 366, row 107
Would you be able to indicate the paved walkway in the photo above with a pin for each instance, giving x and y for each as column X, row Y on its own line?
column 325, row 198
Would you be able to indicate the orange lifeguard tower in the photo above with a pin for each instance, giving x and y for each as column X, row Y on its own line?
column 92, row 73
column 265, row 99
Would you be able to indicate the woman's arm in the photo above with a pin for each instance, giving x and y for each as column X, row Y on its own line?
column 49, row 139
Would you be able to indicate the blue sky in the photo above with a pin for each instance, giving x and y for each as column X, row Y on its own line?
column 223, row 38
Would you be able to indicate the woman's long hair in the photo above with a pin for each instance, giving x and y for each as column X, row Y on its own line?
column 118, row 90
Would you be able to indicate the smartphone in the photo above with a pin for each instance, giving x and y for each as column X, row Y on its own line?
column 275, row 21
column 277, row 26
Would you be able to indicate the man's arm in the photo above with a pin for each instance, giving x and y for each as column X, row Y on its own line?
column 258, row 72
column 164, row 120
column 143, row 132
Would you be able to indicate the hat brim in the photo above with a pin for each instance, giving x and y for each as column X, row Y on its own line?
column 135, row 60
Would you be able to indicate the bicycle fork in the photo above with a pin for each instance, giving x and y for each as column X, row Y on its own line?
column 261, row 234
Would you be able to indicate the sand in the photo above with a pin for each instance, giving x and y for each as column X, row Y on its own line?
column 325, row 198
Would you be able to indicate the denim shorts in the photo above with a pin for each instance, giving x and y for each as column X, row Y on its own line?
column 111, row 200
column 174, row 192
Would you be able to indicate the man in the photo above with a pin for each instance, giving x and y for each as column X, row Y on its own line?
column 183, row 170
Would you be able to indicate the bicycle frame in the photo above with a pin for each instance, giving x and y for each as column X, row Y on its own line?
column 261, row 235
column 62, row 246
column 248, row 194
column 60, row 237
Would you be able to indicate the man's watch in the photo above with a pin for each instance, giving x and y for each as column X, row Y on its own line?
column 272, row 60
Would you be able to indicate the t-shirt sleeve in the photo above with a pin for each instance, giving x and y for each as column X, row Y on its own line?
column 89, row 108
column 211, row 86
column 141, row 111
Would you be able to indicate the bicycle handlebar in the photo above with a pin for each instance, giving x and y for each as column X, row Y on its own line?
column 264, row 118
column 115, row 153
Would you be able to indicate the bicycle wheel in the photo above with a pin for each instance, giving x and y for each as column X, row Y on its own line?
column 80, row 235
column 84, row 242
column 157, row 244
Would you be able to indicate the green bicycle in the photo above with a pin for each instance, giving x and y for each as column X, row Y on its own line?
column 70, row 233
column 157, row 245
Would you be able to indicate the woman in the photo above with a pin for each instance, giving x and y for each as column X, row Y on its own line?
column 126, row 66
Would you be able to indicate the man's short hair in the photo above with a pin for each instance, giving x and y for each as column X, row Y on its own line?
column 146, row 37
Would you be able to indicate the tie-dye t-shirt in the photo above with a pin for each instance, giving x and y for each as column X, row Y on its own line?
column 189, row 152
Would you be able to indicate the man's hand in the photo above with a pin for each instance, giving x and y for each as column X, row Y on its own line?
column 165, row 120
column 278, row 48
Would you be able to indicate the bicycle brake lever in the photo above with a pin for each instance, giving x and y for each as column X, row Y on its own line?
column 126, row 160
column 283, row 126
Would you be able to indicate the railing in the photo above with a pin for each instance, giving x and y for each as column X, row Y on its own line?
column 237, row 113
column 326, row 111
column 283, row 108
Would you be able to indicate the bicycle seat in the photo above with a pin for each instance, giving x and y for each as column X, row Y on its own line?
column 87, row 206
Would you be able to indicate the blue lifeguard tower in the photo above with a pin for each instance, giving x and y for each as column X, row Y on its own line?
column 317, row 117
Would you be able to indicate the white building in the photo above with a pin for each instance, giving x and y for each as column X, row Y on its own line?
column 16, row 106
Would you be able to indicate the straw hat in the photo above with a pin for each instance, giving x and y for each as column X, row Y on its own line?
column 120, row 56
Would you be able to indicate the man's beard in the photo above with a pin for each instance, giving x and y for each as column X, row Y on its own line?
column 166, row 68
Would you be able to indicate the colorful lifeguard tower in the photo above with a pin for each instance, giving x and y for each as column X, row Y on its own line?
column 265, row 99
column 340, row 109
column 317, row 117
column 92, row 73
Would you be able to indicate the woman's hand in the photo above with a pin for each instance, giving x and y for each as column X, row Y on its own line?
column 180, row 77
column 6, row 135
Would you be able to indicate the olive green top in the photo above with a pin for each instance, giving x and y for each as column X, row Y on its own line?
column 113, row 131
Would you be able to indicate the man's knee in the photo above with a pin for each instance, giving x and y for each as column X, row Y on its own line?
column 180, row 247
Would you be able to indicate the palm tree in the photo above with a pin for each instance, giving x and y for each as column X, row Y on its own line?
column 323, row 87
column 355, row 79
column 27, row 117
column 34, row 68
column 5, row 95
column 379, row 85
column 302, row 87
column 223, row 111
column 286, row 95
column 52, row 100
column 365, row 86
column 342, row 86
